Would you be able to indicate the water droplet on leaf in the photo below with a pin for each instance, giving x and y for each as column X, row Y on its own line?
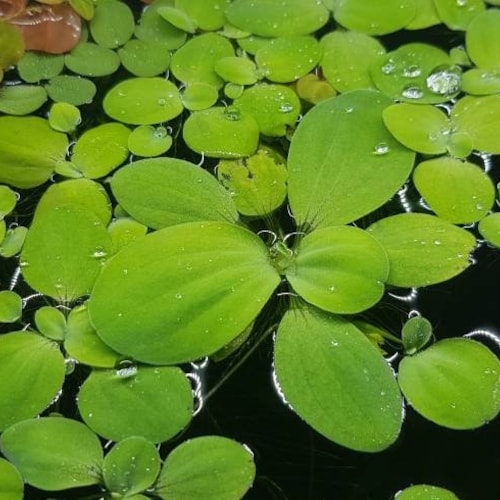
column 412, row 92
column 444, row 80
column 381, row 148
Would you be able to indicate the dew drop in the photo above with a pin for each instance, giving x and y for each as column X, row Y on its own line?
column 331, row 288
column 286, row 107
column 350, row 109
column 232, row 114
column 162, row 102
column 99, row 253
column 178, row 295
column 24, row 263
column 381, row 148
column 125, row 271
column 412, row 71
column 412, row 92
column 126, row 369
column 388, row 68
column 444, row 80
column 461, row 3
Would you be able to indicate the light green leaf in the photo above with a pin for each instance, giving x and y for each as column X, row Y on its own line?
column 239, row 70
column 143, row 58
column 273, row 19
column 101, row 149
column 489, row 228
column 143, row 101
column 13, row 241
column 257, row 184
column 61, row 267
column 457, row 191
column 286, row 59
column 21, row 99
column 112, row 24
column 340, row 269
column 12, row 486
column 422, row 249
column 274, row 107
column 374, row 18
column 416, row 333
column 457, row 14
column 27, row 164
column 83, row 344
column 11, row 306
column 228, row 133
column 347, row 58
column 479, row 118
column 53, row 453
column 207, row 14
column 314, row 89
column 425, row 492
column 194, row 62
column 220, row 468
column 37, row 367
column 85, row 8
column 343, row 162
column 453, row 383
column 198, row 96
column 178, row 18
column 71, row 89
column 131, row 466
column 147, row 140
column 424, row 129
column 35, row 66
column 337, row 381
column 177, row 192
column 8, row 200
column 154, row 403
column 482, row 41
column 425, row 17
column 11, row 45
column 51, row 322
column 189, row 300
column 90, row 59
column 124, row 231
column 478, row 81
column 64, row 117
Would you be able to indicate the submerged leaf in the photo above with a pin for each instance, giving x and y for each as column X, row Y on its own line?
column 337, row 381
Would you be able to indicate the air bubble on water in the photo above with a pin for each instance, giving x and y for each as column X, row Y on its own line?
column 380, row 149
column 412, row 92
column 444, row 80
column 160, row 132
column 412, row 71
column 69, row 365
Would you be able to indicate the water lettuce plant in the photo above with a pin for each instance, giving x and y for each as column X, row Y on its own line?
column 191, row 178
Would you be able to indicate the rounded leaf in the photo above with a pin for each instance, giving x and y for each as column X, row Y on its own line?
column 143, row 101
column 11, row 45
column 8, row 200
column 147, row 140
column 182, row 292
column 457, row 15
column 416, row 332
column 89, row 59
column 239, row 70
column 124, row 231
column 340, row 269
column 337, row 381
column 453, row 383
column 35, row 66
column 154, row 403
column 489, row 228
column 21, row 99
column 37, row 367
column 11, row 306
column 198, row 96
column 481, row 39
column 207, row 14
column 219, row 467
column 12, row 486
column 71, row 89
column 112, row 24
column 422, row 249
column 53, row 453
column 343, row 162
column 425, row 492
column 143, row 58
column 177, row 192
column 13, row 241
column 64, row 117
column 51, row 322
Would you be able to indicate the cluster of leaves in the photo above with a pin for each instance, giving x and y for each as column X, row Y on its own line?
column 148, row 262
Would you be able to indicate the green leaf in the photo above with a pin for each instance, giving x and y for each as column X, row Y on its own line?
column 343, row 162
column 347, row 57
column 479, row 118
column 112, row 24
column 8, row 201
column 143, row 101
column 220, row 468
column 178, row 18
column 314, row 89
column 85, row 8
column 147, row 140
column 453, row 383
column 83, row 344
column 131, row 466
column 239, row 70
column 37, row 367
column 177, row 192
column 64, row 117
column 477, row 81
column 489, row 228
column 417, row 73
column 101, row 149
column 21, row 99
column 228, row 133
column 51, row 322
column 143, row 58
column 424, row 129
column 71, row 89
column 340, row 269
column 422, row 249
column 11, row 45
column 257, row 184
column 457, row 15
column 152, row 402
column 13, row 241
column 425, row 492
column 12, row 486
column 274, row 19
column 416, row 333
column 61, row 267
column 27, row 164
column 194, row 62
column 35, row 66
column 198, row 96
column 481, row 39
column 124, row 231
column 90, row 59
column 425, row 17
column 274, row 107
column 205, row 272
column 375, row 18
column 53, row 453
column 11, row 306
column 288, row 58
column 336, row 380
column 457, row 191
column 207, row 14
